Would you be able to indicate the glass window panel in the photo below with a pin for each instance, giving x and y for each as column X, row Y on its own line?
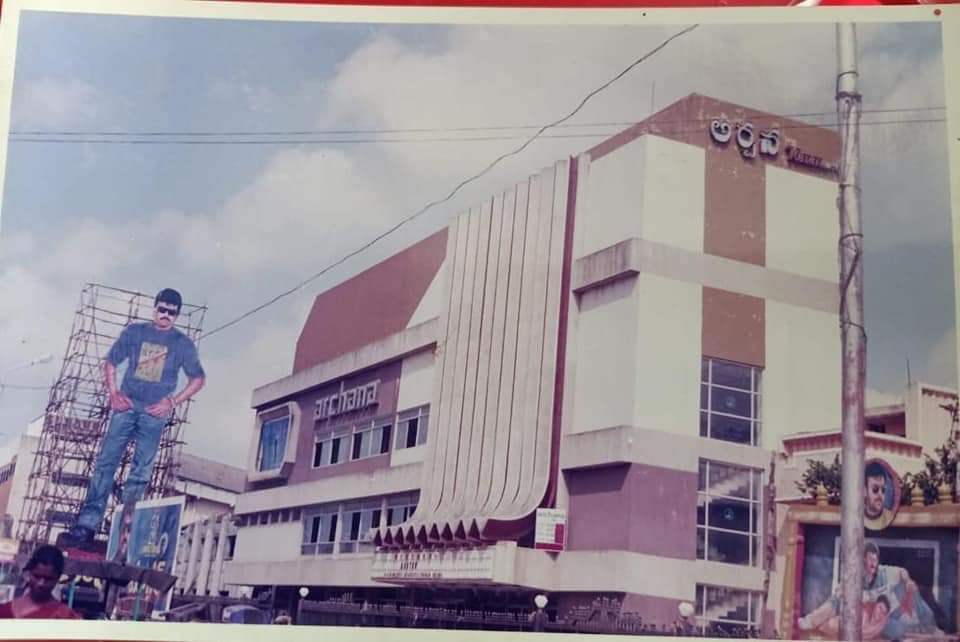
column 702, row 477
column 412, row 432
column 375, row 519
column 318, row 452
column 335, row 450
column 422, row 424
column 732, row 548
column 357, row 445
column 701, row 510
column 385, row 439
column 731, row 402
column 731, row 374
column 332, row 530
column 731, row 429
column 273, row 443
column 705, row 370
column 701, row 543
column 704, row 424
column 730, row 514
column 731, row 481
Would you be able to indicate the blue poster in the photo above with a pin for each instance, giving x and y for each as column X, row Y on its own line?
column 153, row 540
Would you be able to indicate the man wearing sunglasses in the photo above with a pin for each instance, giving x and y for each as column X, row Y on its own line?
column 142, row 407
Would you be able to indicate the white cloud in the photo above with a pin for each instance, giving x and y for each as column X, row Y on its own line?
column 55, row 103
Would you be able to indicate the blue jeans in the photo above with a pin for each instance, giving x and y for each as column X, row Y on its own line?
column 137, row 425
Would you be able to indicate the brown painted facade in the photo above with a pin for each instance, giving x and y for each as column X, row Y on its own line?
column 372, row 305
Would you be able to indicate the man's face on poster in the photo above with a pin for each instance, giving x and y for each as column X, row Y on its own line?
column 164, row 314
column 874, row 492
column 871, row 561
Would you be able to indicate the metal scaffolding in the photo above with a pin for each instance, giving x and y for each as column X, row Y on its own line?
column 78, row 412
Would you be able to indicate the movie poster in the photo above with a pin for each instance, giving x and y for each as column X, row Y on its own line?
column 910, row 583
column 153, row 541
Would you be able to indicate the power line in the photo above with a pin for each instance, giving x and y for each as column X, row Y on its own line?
column 456, row 189
column 452, row 139
column 417, row 130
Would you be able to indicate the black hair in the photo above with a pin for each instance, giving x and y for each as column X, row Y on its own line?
column 883, row 598
column 870, row 547
column 168, row 295
column 874, row 469
column 47, row 555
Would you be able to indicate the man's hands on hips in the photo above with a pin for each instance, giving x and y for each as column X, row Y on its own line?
column 162, row 408
column 120, row 402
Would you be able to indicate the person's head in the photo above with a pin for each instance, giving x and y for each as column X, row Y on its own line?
column 871, row 561
column 166, row 308
column 43, row 572
column 874, row 489
column 883, row 605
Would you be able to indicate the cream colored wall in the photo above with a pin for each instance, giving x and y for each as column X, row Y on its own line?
column 609, row 201
column 430, row 304
column 416, row 380
column 673, row 199
column 801, row 382
column 269, row 543
column 802, row 225
column 667, row 367
column 606, row 344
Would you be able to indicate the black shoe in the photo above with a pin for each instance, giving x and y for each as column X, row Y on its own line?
column 76, row 537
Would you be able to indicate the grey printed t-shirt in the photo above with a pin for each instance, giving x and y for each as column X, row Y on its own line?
column 155, row 359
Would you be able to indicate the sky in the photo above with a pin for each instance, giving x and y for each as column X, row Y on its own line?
column 231, row 225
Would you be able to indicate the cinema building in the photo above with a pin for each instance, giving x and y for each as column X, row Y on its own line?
column 626, row 337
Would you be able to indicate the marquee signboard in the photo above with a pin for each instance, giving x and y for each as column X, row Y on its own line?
column 466, row 565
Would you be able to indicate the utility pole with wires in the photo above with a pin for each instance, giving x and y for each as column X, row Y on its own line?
column 853, row 337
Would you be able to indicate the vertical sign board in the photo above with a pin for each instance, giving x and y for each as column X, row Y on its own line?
column 551, row 529
column 153, row 539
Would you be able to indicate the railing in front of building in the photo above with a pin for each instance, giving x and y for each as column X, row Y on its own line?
column 339, row 612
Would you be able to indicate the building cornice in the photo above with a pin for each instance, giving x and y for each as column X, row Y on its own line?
column 396, row 346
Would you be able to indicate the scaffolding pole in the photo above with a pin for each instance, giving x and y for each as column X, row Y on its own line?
column 853, row 337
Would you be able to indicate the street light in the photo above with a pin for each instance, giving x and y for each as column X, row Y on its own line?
column 686, row 610
column 539, row 617
column 304, row 592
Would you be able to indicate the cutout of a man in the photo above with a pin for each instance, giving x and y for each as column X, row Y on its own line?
column 142, row 407
column 875, row 513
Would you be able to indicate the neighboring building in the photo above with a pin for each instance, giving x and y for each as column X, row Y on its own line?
column 627, row 336
column 19, row 454
column 211, row 489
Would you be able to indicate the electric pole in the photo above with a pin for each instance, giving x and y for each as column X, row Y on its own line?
column 853, row 337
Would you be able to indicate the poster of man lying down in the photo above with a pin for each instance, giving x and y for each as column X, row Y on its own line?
column 316, row 316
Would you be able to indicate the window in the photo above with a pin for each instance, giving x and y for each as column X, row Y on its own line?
column 358, row 519
column 320, row 531
column 273, row 443
column 371, row 440
column 729, row 514
column 730, row 401
column 231, row 547
column 400, row 508
column 412, row 427
column 330, row 450
column 727, row 609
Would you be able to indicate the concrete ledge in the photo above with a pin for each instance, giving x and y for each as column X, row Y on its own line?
column 636, row 445
column 306, row 570
column 396, row 346
column 633, row 256
column 384, row 481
